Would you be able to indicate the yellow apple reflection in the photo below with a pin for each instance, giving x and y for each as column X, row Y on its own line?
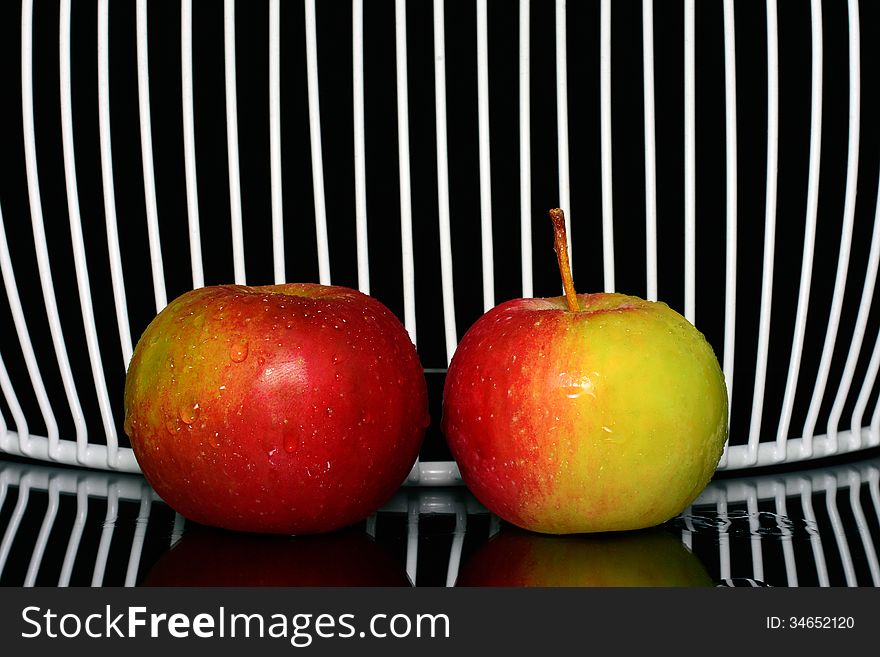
column 648, row 558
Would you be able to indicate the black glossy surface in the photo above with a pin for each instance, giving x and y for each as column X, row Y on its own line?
column 805, row 528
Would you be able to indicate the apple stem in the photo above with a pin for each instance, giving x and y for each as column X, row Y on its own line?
column 560, row 245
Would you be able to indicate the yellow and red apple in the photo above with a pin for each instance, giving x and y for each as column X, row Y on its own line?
column 585, row 413
column 295, row 408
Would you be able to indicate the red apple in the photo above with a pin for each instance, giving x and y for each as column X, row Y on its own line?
column 295, row 408
column 585, row 413
column 206, row 557
column 652, row 557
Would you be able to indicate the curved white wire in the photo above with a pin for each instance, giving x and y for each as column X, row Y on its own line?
column 690, row 145
column 406, row 227
column 849, row 208
column 606, row 147
column 39, row 232
column 800, row 327
column 525, row 150
column 731, row 193
column 143, row 60
column 238, row 262
column 769, row 229
column 84, row 287
column 562, row 121
column 443, row 181
column 189, row 143
column 117, row 277
column 360, row 148
column 315, row 140
column 485, row 155
column 855, row 347
column 650, row 150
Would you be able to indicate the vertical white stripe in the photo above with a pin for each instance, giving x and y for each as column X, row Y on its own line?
column 30, row 577
column 755, row 538
column 874, row 438
column 786, row 535
column 650, row 149
column 525, row 149
column 865, row 392
column 116, row 274
column 21, row 426
column 855, row 487
column 232, row 141
column 39, row 232
column 562, row 120
column 731, row 216
column 76, row 235
column 806, row 490
column 360, row 148
column 769, row 229
column 800, row 326
column 82, row 510
column 406, row 232
column 275, row 140
column 485, row 155
column 30, row 358
column 315, row 141
column 24, row 487
column 140, row 532
column 143, row 61
column 443, row 181
column 731, row 194
column 458, row 536
column 855, row 347
column 189, row 143
column 723, row 537
column 177, row 529
column 849, row 209
column 606, row 146
column 839, row 532
column 412, row 539
column 690, row 190
column 106, row 535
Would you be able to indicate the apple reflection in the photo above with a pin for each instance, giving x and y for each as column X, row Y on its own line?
column 210, row 557
column 647, row 558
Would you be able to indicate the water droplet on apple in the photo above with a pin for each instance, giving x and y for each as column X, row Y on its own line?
column 261, row 360
column 329, row 411
column 214, row 439
column 239, row 351
column 172, row 425
column 338, row 376
column 291, row 441
column 607, row 429
column 188, row 413
column 365, row 417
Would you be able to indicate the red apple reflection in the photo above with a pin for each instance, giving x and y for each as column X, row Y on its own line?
column 209, row 557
